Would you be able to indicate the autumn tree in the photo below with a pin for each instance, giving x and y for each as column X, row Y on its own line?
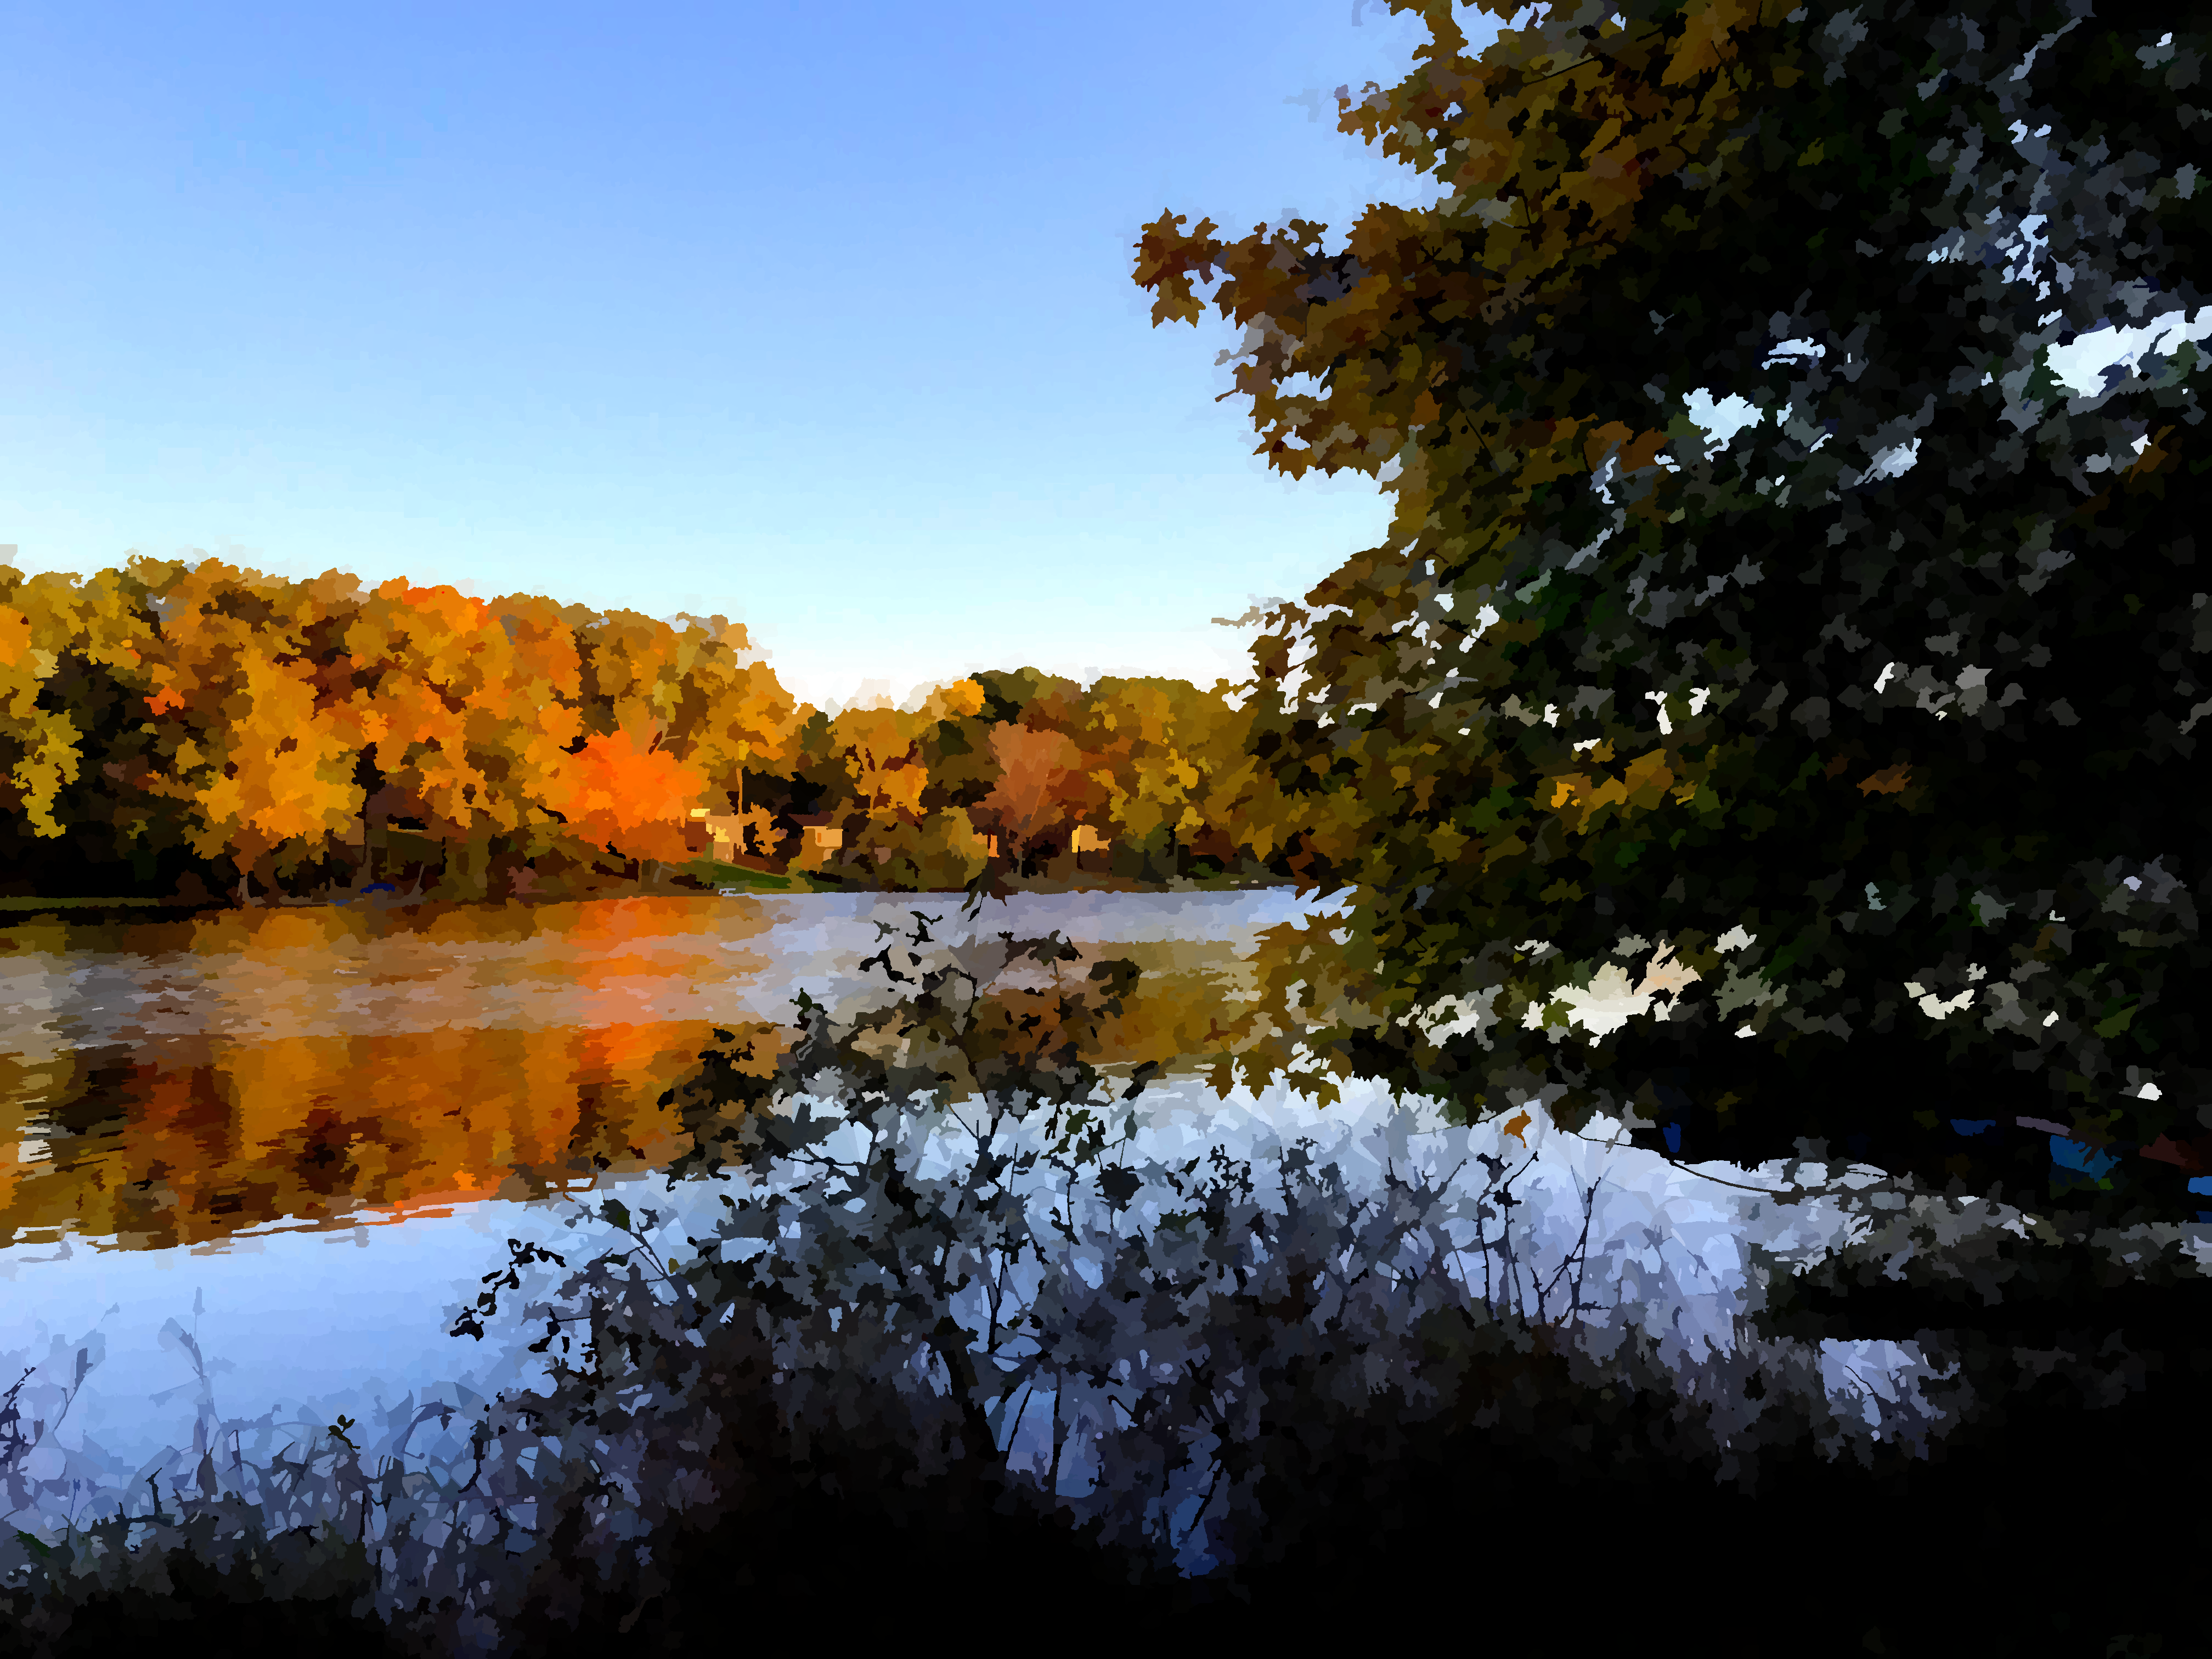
column 1028, row 801
column 880, row 750
column 1234, row 812
column 74, row 736
column 279, row 728
column 44, row 621
column 819, row 784
column 896, row 816
column 248, row 684
column 456, row 728
column 1873, row 724
column 734, row 715
column 1168, row 765
column 619, row 791
column 954, row 734
column 940, row 845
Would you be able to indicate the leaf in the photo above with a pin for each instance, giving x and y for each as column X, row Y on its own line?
column 2114, row 1024
column 1889, row 782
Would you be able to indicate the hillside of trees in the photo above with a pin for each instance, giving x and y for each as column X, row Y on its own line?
column 183, row 729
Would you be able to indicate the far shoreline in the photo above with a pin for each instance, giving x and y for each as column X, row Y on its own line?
column 16, row 909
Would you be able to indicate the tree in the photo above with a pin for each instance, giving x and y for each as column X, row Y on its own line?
column 1028, row 802
column 621, row 792
column 257, row 722
column 70, row 653
column 734, row 714
column 1134, row 743
column 247, row 682
column 1869, row 725
column 937, row 852
column 459, row 707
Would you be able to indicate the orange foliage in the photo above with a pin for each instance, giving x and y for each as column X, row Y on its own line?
column 618, row 790
column 1034, row 770
column 275, row 710
column 315, row 732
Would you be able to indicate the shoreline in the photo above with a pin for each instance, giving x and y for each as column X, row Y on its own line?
column 795, row 884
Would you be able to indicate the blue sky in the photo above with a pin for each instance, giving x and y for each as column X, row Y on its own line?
column 816, row 316
column 819, row 316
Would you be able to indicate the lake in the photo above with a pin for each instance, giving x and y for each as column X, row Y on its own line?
column 179, row 1083
column 305, row 1134
column 261, row 1158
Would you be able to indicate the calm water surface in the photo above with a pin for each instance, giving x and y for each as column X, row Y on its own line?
column 300, row 1138
column 182, row 1082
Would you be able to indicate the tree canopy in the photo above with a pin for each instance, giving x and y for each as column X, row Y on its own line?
column 161, row 716
column 160, row 706
column 1852, row 753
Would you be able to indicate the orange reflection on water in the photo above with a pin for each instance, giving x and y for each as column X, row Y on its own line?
column 254, row 1133
column 181, row 1082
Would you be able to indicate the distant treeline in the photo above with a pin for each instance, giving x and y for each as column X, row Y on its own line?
column 167, row 726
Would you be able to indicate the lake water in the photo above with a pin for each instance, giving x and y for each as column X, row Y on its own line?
column 299, row 1138
column 180, row 1083
column 304, row 1135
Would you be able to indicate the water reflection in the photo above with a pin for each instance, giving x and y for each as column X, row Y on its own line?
column 179, row 1082
column 1159, row 1337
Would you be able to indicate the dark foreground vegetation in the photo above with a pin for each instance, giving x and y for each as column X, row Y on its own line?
column 2081, row 1532
column 2024, row 1550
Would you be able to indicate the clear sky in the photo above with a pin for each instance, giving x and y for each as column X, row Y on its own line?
column 819, row 316
column 815, row 315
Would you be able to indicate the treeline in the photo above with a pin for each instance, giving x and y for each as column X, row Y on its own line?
column 167, row 728
column 1146, row 779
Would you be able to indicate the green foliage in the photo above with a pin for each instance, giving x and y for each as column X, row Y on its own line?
column 1875, row 725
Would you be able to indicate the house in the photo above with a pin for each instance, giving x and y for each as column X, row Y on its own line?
column 821, row 834
column 722, row 832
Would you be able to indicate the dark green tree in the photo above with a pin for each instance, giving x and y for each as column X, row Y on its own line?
column 1879, row 718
